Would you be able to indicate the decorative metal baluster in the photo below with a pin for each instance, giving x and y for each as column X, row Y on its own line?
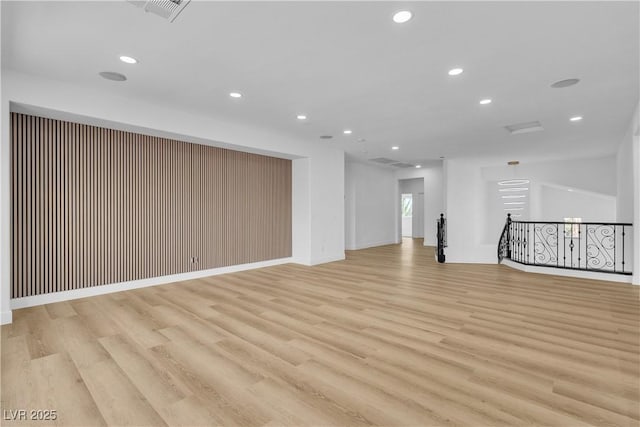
column 522, row 242
column 564, row 248
column 614, row 248
column 557, row 246
column 586, row 247
column 512, row 239
column 527, row 250
column 623, row 248
column 514, row 254
column 571, row 246
column 579, row 241
column 519, row 251
column 534, row 243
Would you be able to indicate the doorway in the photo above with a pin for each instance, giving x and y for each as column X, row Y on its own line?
column 412, row 207
column 407, row 215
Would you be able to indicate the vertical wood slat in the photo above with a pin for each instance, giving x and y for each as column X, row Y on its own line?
column 94, row 206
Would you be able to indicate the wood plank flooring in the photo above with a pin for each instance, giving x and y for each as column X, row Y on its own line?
column 387, row 337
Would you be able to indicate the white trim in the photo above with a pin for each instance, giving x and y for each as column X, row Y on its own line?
column 6, row 317
column 374, row 244
column 581, row 274
column 135, row 284
column 329, row 258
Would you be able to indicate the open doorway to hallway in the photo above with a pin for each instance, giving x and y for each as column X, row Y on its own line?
column 407, row 215
column 412, row 207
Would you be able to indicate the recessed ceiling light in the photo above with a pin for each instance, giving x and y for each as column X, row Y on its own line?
column 565, row 83
column 570, row 189
column 455, row 71
column 301, row 117
column 111, row 75
column 513, row 209
column 235, row 95
column 347, row 132
column 418, row 166
column 395, row 148
column 514, row 196
column 576, row 118
column 128, row 60
column 485, row 101
column 402, row 16
column 514, row 203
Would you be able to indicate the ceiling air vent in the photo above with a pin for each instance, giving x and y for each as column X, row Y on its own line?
column 382, row 160
column 524, row 127
column 403, row 165
column 168, row 9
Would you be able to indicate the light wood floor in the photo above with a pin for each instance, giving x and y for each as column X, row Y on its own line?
column 387, row 337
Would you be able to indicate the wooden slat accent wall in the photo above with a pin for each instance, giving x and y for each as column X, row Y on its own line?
column 94, row 206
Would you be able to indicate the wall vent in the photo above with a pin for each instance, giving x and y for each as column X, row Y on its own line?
column 524, row 127
column 382, row 160
column 168, row 9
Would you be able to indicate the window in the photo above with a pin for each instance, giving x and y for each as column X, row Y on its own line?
column 572, row 229
column 407, row 205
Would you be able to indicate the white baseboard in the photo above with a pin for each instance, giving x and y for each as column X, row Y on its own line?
column 35, row 300
column 328, row 258
column 373, row 244
column 6, row 317
column 593, row 275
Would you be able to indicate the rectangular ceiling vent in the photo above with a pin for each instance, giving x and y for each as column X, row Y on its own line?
column 524, row 127
column 402, row 165
column 168, row 9
column 382, row 160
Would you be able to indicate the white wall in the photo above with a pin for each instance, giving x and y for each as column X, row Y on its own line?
column 417, row 220
column 432, row 175
column 628, row 185
column 466, row 212
column 636, row 195
column 468, row 209
column 597, row 174
column 372, row 203
column 559, row 203
column 625, row 181
column 318, row 170
column 5, row 208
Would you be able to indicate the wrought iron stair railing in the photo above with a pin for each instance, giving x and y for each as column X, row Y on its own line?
column 504, row 246
column 591, row 246
column 441, row 237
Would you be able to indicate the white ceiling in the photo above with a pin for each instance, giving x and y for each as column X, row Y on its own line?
column 348, row 65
